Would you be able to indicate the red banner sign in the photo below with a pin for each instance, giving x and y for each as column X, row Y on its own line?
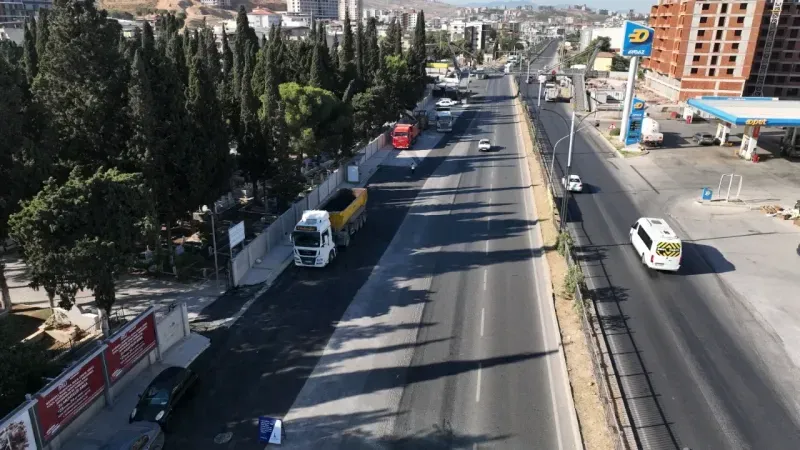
column 129, row 346
column 73, row 393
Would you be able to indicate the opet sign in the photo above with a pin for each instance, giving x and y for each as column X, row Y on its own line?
column 755, row 122
column 638, row 40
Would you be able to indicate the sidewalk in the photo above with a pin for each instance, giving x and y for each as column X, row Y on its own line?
column 110, row 419
column 134, row 294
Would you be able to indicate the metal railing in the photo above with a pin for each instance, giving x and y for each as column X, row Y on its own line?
column 591, row 328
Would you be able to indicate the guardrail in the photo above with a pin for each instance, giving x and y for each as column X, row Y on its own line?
column 591, row 328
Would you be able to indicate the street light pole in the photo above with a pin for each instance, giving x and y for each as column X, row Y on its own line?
column 553, row 163
column 564, row 193
column 214, row 240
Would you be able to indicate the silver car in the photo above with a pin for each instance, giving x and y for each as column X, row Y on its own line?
column 139, row 436
column 704, row 138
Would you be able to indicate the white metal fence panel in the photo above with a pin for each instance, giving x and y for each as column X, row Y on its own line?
column 312, row 199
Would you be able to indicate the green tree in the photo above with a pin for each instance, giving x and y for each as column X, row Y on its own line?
column 79, row 85
column 398, row 85
column 315, row 119
column 250, row 142
column 30, row 58
column 368, row 113
column 397, row 39
column 227, row 96
column 620, row 64
column 86, row 228
column 42, row 31
column 176, row 49
column 244, row 34
column 346, row 59
column 373, row 52
column 360, row 54
column 208, row 151
column 213, row 57
column 335, row 53
column 24, row 370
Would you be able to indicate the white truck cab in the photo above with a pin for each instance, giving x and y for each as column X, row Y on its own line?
column 656, row 244
column 313, row 240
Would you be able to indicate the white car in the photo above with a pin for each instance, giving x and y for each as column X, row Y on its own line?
column 484, row 145
column 575, row 184
column 446, row 102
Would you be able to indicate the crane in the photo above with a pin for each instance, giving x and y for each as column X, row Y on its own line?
column 777, row 8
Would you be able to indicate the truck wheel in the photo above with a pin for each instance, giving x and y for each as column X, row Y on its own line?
column 330, row 258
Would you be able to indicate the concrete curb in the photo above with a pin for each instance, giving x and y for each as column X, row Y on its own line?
column 528, row 139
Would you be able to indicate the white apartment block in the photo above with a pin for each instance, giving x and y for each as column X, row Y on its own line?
column 263, row 18
column 353, row 6
column 319, row 9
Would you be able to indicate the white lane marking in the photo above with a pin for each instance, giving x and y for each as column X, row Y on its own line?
column 487, row 247
column 478, row 386
column 485, row 276
column 525, row 196
column 483, row 319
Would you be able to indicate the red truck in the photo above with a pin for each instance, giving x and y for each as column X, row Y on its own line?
column 404, row 135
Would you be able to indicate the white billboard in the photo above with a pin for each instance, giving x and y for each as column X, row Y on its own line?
column 17, row 432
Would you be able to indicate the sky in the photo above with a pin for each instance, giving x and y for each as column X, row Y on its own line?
column 615, row 5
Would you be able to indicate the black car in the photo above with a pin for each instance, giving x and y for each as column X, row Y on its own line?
column 165, row 392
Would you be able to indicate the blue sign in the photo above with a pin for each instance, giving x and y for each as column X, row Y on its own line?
column 707, row 194
column 270, row 430
column 638, row 40
column 635, row 122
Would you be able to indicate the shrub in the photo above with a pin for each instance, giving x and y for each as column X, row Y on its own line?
column 573, row 280
column 563, row 243
column 614, row 132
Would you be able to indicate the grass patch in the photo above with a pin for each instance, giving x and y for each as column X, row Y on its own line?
column 573, row 280
column 23, row 322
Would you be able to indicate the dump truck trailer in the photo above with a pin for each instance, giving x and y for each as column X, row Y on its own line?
column 320, row 232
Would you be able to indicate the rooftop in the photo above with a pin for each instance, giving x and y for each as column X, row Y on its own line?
column 764, row 111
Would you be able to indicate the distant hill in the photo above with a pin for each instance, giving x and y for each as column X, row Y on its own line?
column 431, row 7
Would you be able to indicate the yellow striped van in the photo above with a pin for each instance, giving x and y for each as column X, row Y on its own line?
column 657, row 245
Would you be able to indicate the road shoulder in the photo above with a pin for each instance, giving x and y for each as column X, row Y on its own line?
column 584, row 391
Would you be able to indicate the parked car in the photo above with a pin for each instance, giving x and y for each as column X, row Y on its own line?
column 446, row 102
column 139, row 436
column 163, row 394
column 574, row 185
column 704, row 138
column 484, row 145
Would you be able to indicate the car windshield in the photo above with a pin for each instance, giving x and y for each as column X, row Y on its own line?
column 574, row 178
column 156, row 396
column 306, row 238
column 484, row 141
column 400, row 134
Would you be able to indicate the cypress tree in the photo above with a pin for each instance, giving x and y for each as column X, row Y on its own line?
column 397, row 40
column 239, row 47
column 213, row 58
column 175, row 49
column 250, row 142
column 141, row 114
column 335, row 53
column 227, row 55
column 419, row 42
column 361, row 49
column 348, row 46
column 89, row 133
column 372, row 60
column 208, row 144
column 42, row 32
column 317, row 74
column 30, row 59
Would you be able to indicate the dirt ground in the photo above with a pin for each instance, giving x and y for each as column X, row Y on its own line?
column 594, row 429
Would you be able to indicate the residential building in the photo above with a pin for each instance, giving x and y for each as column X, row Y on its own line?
column 15, row 35
column 603, row 61
column 320, row 9
column 217, row 3
column 289, row 20
column 433, row 22
column 14, row 12
column 353, row 6
column 264, row 18
column 615, row 37
column 711, row 47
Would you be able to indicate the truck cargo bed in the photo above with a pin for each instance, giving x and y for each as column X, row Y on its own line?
column 344, row 205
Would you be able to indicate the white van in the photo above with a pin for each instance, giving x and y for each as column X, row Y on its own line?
column 656, row 243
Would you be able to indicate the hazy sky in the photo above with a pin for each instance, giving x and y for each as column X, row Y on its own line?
column 638, row 5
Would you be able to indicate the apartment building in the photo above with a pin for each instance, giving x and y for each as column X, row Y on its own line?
column 355, row 8
column 707, row 47
column 320, row 9
column 14, row 12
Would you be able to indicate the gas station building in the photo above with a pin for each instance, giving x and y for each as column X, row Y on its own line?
column 752, row 113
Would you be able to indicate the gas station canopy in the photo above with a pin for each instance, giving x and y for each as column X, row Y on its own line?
column 751, row 111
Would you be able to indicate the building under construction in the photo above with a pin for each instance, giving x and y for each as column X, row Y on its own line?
column 719, row 48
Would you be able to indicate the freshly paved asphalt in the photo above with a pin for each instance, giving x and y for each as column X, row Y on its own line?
column 692, row 380
column 485, row 304
column 258, row 366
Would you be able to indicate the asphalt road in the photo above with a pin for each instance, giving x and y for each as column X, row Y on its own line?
column 258, row 366
column 484, row 371
column 493, row 332
column 691, row 377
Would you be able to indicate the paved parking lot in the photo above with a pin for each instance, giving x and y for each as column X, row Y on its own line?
column 751, row 253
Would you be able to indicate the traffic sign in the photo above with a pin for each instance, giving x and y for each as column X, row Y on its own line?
column 270, row 430
column 638, row 40
column 553, row 72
